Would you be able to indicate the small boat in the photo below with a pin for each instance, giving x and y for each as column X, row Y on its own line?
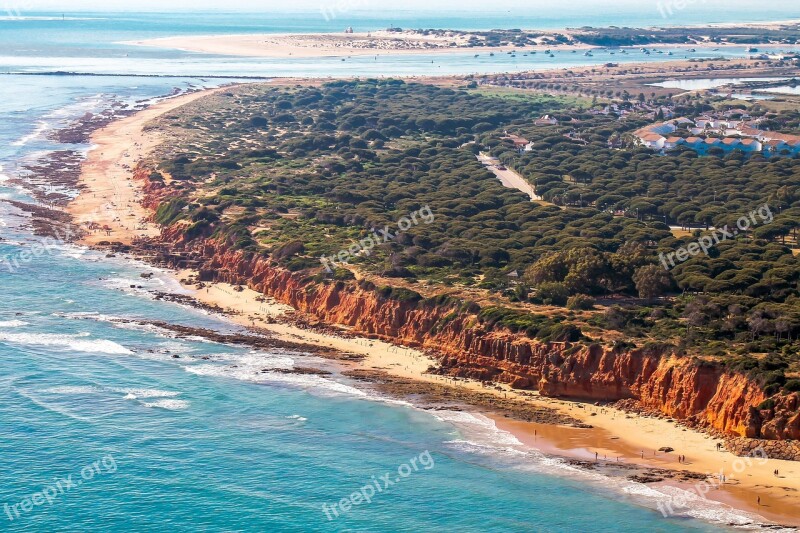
column 752, row 49
column 491, row 55
column 477, row 55
column 669, row 53
column 551, row 55
column 691, row 50
column 588, row 54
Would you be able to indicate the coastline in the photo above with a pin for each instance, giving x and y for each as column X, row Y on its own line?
column 107, row 179
column 378, row 43
column 311, row 45
column 109, row 207
column 615, row 433
column 636, row 452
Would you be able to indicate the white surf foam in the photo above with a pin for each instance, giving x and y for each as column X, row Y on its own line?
column 123, row 283
column 132, row 394
column 84, row 105
column 260, row 368
column 316, row 384
column 161, row 398
column 71, row 251
column 482, row 437
column 689, row 503
column 12, row 324
column 40, row 128
column 73, row 389
column 121, row 323
column 78, row 343
column 12, row 17
column 478, row 428
column 47, row 406
column 170, row 405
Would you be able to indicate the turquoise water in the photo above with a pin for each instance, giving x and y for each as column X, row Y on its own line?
column 94, row 42
column 107, row 425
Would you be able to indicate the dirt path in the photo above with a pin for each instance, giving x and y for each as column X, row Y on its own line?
column 508, row 177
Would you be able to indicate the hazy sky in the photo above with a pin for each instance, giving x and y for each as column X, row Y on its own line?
column 530, row 7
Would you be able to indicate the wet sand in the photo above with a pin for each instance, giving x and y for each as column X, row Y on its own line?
column 107, row 179
column 378, row 43
column 109, row 208
column 634, row 438
column 310, row 45
column 746, row 479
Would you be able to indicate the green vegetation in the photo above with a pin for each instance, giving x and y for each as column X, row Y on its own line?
column 788, row 33
column 293, row 173
column 559, row 101
column 614, row 36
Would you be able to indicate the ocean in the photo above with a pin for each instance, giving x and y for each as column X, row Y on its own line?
column 109, row 422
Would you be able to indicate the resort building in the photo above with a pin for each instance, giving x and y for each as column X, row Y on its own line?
column 653, row 140
column 733, row 135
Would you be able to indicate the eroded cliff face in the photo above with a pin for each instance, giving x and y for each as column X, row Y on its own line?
column 701, row 394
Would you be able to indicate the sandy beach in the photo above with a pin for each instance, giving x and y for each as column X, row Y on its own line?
column 377, row 43
column 309, row 45
column 110, row 197
column 617, row 436
column 109, row 207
